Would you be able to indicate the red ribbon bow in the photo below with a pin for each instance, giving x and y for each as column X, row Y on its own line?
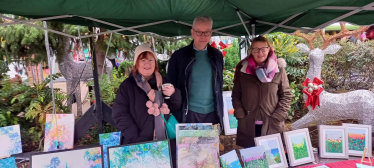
column 312, row 91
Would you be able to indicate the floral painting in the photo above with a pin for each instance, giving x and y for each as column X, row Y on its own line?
column 10, row 140
column 109, row 140
column 357, row 139
column 197, row 155
column 230, row 160
column 144, row 155
column 82, row 158
column 59, row 132
column 334, row 141
column 8, row 163
column 254, row 157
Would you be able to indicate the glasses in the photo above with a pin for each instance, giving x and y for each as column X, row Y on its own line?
column 199, row 33
column 263, row 49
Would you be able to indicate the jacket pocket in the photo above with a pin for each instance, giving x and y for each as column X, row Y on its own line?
column 275, row 126
column 242, row 126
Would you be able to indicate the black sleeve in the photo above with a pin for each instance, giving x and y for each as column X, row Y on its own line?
column 172, row 71
column 175, row 100
column 122, row 117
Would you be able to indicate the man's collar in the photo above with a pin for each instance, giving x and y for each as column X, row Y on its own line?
column 199, row 50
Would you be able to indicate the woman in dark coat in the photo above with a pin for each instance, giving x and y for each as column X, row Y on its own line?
column 140, row 100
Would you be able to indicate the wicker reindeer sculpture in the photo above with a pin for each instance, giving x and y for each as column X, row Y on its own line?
column 357, row 104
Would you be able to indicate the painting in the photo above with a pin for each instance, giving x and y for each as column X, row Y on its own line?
column 333, row 141
column 254, row 157
column 274, row 150
column 197, row 155
column 8, row 163
column 10, row 140
column 191, row 126
column 87, row 157
column 196, row 133
column 59, row 132
column 199, row 140
column 141, row 155
column 109, row 140
column 229, row 121
column 230, row 160
column 363, row 166
column 299, row 147
column 359, row 137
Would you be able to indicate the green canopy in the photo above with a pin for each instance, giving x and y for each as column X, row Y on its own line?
column 266, row 15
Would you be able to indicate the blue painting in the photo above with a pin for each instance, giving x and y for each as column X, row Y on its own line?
column 145, row 155
column 8, row 163
column 230, row 160
column 10, row 140
column 109, row 140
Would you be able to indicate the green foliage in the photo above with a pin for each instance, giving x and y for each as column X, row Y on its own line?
column 228, row 80
column 108, row 87
column 297, row 99
column 300, row 150
column 125, row 68
column 3, row 69
column 162, row 67
column 232, row 57
column 92, row 136
column 351, row 68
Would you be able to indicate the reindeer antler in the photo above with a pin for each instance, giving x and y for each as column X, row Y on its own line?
column 308, row 38
column 343, row 32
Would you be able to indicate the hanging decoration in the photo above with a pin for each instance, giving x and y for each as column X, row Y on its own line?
column 313, row 91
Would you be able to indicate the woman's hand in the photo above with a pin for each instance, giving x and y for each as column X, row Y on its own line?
column 168, row 90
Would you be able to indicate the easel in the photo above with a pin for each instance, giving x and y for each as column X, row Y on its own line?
column 363, row 157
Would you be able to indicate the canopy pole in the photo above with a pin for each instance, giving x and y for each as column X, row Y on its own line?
column 343, row 16
column 35, row 20
column 51, row 79
column 241, row 19
column 253, row 31
column 106, row 54
column 283, row 22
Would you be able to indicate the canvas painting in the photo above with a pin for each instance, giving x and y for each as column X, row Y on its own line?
column 143, row 155
column 230, row 160
column 10, row 140
column 196, row 133
column 273, row 150
column 299, row 147
column 109, row 140
column 197, row 155
column 59, row 132
column 359, row 137
column 229, row 120
column 192, row 126
column 199, row 140
column 90, row 157
column 333, row 141
column 8, row 163
column 254, row 157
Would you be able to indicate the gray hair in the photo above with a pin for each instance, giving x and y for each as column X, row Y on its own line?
column 202, row 19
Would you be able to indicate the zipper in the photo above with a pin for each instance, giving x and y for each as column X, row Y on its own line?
column 185, row 84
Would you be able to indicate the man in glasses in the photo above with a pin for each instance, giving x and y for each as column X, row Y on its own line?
column 197, row 70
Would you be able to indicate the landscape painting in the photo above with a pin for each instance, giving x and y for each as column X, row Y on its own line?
column 272, row 151
column 300, row 146
column 359, row 137
column 230, row 160
column 254, row 157
column 109, row 140
column 334, row 141
column 230, row 111
column 230, row 123
column 59, row 132
column 142, row 155
column 90, row 157
column 10, row 140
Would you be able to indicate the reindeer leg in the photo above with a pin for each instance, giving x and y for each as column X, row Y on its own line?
column 304, row 121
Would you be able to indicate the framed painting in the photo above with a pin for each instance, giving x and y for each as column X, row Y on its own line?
column 59, row 132
column 10, row 140
column 87, row 157
column 274, row 150
column 191, row 126
column 299, row 147
column 363, row 166
column 333, row 141
column 109, row 140
column 141, row 155
column 359, row 137
column 230, row 160
column 254, row 157
column 8, row 163
column 230, row 123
